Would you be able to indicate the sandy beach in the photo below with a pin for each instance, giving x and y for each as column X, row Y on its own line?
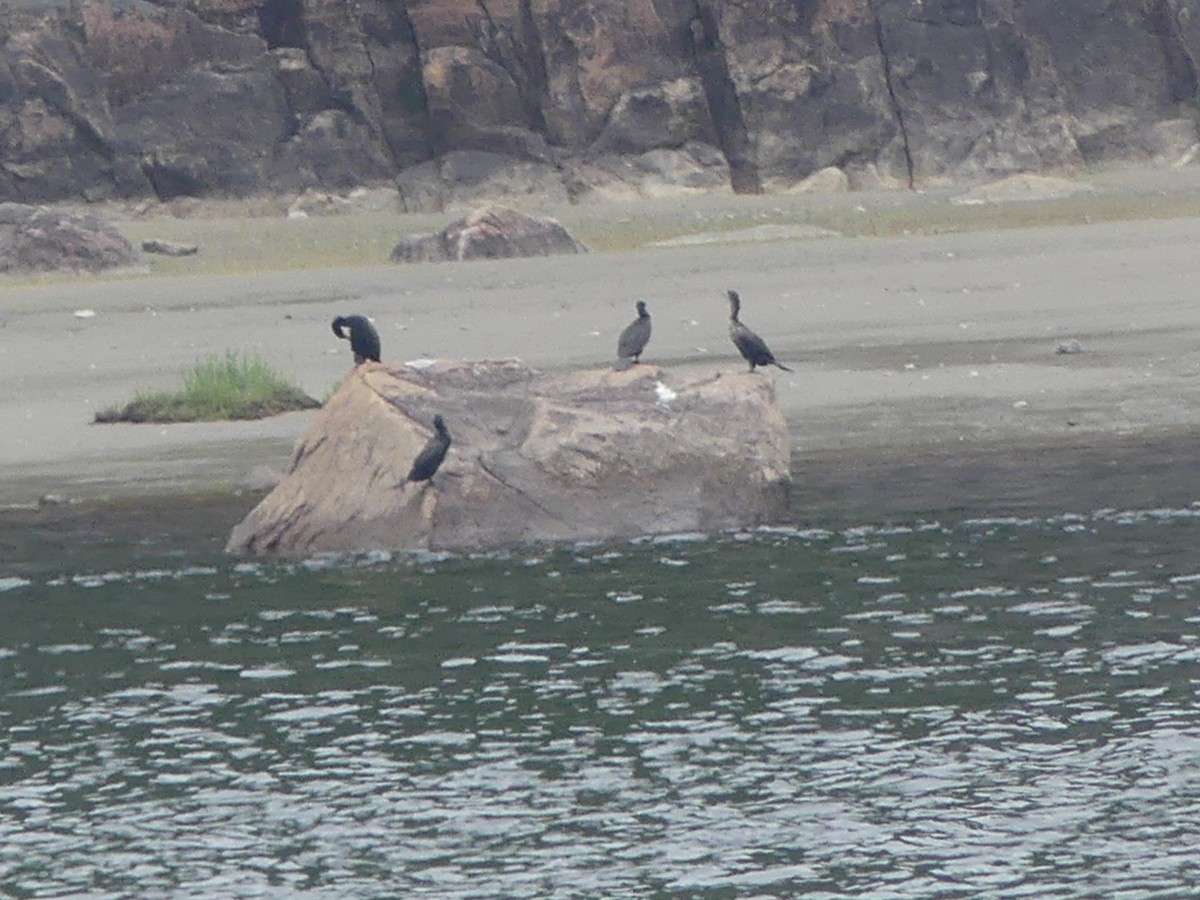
column 926, row 365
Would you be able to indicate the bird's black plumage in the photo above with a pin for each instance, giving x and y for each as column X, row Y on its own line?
column 753, row 348
column 634, row 338
column 431, row 456
column 364, row 339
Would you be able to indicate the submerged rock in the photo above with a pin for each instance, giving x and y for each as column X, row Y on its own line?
column 493, row 232
column 586, row 455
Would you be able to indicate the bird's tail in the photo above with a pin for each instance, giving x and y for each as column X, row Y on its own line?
column 782, row 366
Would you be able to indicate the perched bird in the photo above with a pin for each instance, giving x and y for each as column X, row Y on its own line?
column 633, row 339
column 753, row 348
column 364, row 339
column 431, row 456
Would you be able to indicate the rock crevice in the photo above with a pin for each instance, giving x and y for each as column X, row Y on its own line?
column 724, row 105
column 893, row 100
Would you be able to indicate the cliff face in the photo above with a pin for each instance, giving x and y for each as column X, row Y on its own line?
column 129, row 98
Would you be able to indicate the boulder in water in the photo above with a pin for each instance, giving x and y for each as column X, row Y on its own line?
column 586, row 455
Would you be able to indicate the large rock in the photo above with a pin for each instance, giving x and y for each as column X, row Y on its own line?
column 368, row 54
column 691, row 169
column 37, row 239
column 493, row 232
column 473, row 101
column 57, row 139
column 470, row 178
column 655, row 116
column 588, row 455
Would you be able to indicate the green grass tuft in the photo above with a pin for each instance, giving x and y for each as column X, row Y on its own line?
column 233, row 386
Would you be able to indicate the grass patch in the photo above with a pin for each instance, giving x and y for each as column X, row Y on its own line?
column 247, row 236
column 233, row 386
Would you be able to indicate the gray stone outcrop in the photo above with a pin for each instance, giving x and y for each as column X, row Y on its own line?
column 494, row 232
column 585, row 455
column 38, row 239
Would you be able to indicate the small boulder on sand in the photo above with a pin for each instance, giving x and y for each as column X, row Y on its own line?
column 493, row 232
column 169, row 248
column 40, row 239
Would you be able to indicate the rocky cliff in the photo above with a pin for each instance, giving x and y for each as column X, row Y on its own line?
column 576, row 98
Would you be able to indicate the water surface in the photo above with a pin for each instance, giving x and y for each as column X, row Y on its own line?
column 953, row 707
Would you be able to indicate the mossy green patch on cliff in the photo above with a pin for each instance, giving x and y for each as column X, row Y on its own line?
column 233, row 386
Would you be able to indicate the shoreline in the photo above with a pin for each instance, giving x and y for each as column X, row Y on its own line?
column 830, row 490
column 910, row 351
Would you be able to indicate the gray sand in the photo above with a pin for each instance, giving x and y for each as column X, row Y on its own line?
column 905, row 348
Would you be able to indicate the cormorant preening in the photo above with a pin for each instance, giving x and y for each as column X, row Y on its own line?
column 633, row 339
column 753, row 348
column 431, row 456
column 364, row 339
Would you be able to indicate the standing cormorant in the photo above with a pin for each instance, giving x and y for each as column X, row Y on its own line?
column 753, row 348
column 633, row 339
column 431, row 456
column 364, row 339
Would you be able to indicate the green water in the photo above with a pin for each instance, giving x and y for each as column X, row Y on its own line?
column 952, row 707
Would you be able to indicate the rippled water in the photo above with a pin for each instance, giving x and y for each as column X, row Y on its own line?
column 1000, row 708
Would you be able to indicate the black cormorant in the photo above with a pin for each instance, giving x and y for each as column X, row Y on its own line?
column 431, row 456
column 634, row 338
column 364, row 339
column 753, row 348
